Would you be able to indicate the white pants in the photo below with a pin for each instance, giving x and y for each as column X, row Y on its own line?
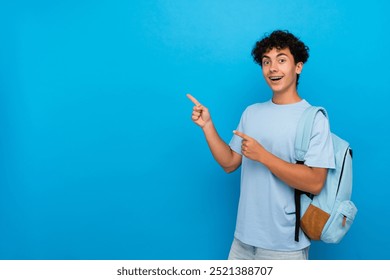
column 242, row 251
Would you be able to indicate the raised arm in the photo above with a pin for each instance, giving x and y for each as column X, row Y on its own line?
column 222, row 153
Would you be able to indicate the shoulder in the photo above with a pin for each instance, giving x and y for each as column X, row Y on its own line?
column 321, row 117
column 318, row 116
column 321, row 124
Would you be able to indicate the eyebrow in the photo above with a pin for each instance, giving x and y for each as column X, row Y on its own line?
column 279, row 54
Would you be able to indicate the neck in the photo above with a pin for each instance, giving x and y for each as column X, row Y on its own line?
column 286, row 98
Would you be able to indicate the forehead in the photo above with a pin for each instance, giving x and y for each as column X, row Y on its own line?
column 275, row 52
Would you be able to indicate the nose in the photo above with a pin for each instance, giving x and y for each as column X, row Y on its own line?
column 273, row 67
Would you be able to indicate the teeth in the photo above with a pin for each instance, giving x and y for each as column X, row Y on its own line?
column 275, row 78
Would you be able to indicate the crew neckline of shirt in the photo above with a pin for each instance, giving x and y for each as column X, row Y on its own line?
column 302, row 101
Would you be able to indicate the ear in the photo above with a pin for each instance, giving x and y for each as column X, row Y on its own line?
column 299, row 67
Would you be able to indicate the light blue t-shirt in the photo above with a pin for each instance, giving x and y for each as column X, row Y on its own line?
column 266, row 211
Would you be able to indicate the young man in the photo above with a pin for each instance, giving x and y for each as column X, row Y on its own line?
column 263, row 145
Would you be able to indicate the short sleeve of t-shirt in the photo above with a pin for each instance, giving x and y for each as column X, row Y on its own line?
column 320, row 152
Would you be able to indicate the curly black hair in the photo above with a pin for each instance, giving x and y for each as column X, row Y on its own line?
column 280, row 39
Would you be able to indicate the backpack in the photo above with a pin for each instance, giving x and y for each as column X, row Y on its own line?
column 329, row 215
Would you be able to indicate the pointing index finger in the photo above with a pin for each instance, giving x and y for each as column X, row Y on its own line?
column 193, row 99
column 240, row 134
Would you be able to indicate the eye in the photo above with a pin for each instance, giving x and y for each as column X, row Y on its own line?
column 282, row 60
column 266, row 62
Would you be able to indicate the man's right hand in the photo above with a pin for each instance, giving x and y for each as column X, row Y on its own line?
column 223, row 154
column 200, row 114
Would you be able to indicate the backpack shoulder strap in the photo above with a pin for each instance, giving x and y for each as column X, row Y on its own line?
column 304, row 130
column 302, row 141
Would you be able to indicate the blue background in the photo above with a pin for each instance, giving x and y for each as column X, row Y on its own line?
column 99, row 158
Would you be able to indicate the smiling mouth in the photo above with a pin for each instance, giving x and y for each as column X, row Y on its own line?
column 275, row 78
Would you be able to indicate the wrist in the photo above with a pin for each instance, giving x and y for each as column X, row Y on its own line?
column 208, row 126
column 263, row 156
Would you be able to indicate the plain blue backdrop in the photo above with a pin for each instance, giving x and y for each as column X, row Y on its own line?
column 99, row 158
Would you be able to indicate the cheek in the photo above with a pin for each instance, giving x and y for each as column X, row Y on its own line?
column 264, row 71
column 288, row 70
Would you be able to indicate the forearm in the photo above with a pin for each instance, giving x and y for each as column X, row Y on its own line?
column 221, row 152
column 298, row 176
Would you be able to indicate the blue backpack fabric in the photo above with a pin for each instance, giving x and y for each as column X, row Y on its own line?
column 329, row 215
